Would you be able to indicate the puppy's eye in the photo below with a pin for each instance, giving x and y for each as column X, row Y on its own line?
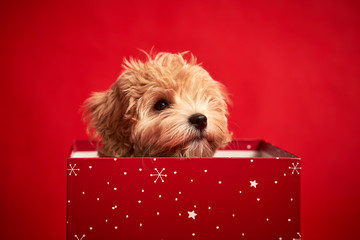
column 161, row 105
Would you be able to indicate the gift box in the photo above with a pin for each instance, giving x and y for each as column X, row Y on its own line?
column 250, row 190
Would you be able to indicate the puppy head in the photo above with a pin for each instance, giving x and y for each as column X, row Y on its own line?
column 166, row 106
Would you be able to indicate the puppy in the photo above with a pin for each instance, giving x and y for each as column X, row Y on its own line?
column 167, row 106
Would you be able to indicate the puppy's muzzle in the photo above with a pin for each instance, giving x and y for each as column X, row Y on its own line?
column 199, row 121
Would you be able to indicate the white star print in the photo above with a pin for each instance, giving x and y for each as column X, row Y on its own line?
column 192, row 214
column 253, row 183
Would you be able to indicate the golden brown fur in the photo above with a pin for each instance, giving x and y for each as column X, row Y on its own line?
column 125, row 119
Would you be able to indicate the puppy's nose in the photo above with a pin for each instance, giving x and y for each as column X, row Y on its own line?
column 198, row 120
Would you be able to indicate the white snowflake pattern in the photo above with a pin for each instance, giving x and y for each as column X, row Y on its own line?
column 159, row 175
column 295, row 168
column 72, row 169
column 80, row 238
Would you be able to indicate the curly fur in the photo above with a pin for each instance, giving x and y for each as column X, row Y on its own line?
column 128, row 125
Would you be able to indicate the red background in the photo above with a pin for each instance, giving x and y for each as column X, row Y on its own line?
column 292, row 68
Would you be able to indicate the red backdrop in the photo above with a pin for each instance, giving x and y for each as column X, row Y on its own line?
column 292, row 69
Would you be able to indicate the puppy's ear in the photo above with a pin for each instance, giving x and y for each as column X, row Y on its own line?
column 225, row 95
column 105, row 114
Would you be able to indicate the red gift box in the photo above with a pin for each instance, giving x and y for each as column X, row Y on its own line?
column 250, row 190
